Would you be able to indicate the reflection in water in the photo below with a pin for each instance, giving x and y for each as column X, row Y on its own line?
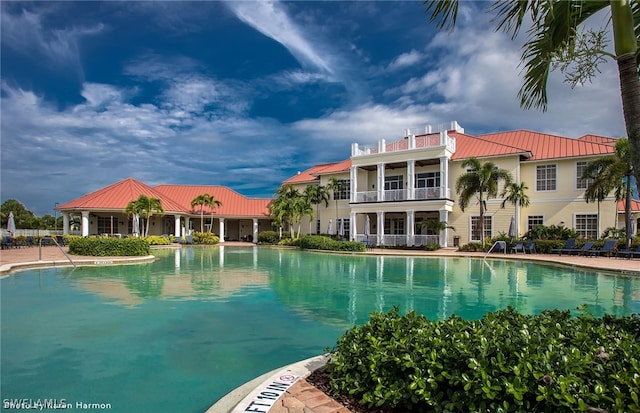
column 344, row 289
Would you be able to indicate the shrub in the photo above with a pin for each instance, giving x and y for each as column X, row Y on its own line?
column 107, row 247
column 157, row 240
column 551, row 232
column 505, row 362
column 268, row 237
column 321, row 242
column 207, row 238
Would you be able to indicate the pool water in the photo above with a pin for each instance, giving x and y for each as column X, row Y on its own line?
column 177, row 334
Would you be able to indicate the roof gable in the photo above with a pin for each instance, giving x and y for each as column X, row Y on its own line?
column 116, row 196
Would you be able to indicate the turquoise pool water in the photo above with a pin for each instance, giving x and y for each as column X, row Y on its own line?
column 177, row 334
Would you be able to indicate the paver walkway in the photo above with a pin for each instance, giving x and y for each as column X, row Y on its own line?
column 303, row 397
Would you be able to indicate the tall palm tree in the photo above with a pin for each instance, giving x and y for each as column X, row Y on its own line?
column 555, row 36
column 202, row 200
column 212, row 204
column 337, row 186
column 611, row 173
column 317, row 194
column 481, row 181
column 515, row 194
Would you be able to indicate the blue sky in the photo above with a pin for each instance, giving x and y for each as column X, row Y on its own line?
column 245, row 94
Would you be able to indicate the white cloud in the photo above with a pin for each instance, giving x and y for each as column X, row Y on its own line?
column 269, row 19
column 405, row 59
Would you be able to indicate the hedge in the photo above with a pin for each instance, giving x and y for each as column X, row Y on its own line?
column 109, row 247
column 321, row 242
column 504, row 362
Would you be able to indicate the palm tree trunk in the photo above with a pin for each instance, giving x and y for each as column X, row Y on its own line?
column 201, row 218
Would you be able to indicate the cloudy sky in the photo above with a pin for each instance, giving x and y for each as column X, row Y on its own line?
column 245, row 94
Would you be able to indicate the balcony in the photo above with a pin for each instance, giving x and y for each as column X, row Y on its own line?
column 403, row 195
column 410, row 142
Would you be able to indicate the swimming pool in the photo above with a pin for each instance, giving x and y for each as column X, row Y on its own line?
column 177, row 334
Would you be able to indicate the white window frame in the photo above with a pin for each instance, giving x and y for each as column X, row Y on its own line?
column 488, row 227
column 346, row 191
column 531, row 217
column 582, row 184
column 546, row 179
column 586, row 232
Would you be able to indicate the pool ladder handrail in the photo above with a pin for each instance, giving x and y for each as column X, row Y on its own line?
column 502, row 243
column 58, row 245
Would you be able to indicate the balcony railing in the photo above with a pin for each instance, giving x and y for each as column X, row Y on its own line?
column 396, row 240
column 403, row 194
column 419, row 142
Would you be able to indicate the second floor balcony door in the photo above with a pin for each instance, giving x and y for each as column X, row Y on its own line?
column 394, row 188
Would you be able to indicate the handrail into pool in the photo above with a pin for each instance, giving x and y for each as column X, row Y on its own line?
column 61, row 249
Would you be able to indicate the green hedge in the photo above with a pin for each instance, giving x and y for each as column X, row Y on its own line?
column 321, row 242
column 268, row 237
column 158, row 240
column 505, row 362
column 109, row 247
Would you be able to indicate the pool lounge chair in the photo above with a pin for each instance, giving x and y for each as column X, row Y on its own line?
column 607, row 249
column 582, row 251
column 568, row 247
column 629, row 253
column 519, row 247
column 530, row 247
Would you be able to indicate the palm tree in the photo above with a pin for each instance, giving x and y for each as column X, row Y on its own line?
column 145, row 207
column 213, row 203
column 286, row 207
column 515, row 193
column 202, row 200
column 337, row 186
column 317, row 194
column 610, row 173
column 555, row 37
column 481, row 179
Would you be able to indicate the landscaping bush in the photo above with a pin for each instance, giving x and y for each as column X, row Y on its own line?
column 268, row 237
column 207, row 238
column 321, row 242
column 107, row 247
column 505, row 362
column 157, row 240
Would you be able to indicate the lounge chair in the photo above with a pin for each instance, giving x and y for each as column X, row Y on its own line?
column 568, row 247
column 629, row 253
column 582, row 251
column 189, row 239
column 607, row 248
column 7, row 242
column 519, row 247
column 530, row 247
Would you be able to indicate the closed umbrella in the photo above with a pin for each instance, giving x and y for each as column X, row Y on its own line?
column 512, row 228
column 11, row 224
column 136, row 225
column 367, row 226
column 330, row 227
column 341, row 228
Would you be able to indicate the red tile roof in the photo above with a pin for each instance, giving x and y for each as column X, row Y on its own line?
column 233, row 203
column 175, row 199
column 116, row 196
column 478, row 147
column 635, row 206
column 312, row 174
column 598, row 139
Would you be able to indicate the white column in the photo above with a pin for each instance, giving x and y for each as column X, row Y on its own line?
column 380, row 181
column 65, row 223
column 411, row 219
column 354, row 183
column 176, row 226
column 221, row 229
column 444, row 234
column 186, row 226
column 411, row 180
column 380, row 229
column 85, row 223
column 444, row 177
column 255, row 230
column 412, row 141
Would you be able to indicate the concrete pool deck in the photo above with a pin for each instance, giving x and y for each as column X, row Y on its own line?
column 300, row 396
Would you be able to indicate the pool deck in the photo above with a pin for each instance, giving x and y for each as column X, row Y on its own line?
column 301, row 397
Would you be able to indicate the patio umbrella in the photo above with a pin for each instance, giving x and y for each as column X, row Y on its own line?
column 330, row 227
column 367, row 226
column 341, row 228
column 11, row 224
column 512, row 228
column 136, row 225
